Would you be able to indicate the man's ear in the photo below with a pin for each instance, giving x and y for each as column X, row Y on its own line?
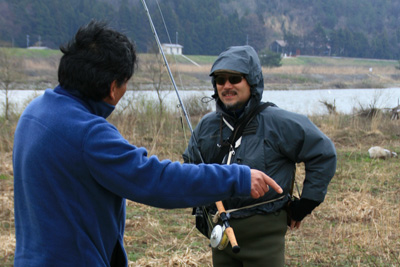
column 113, row 88
column 110, row 98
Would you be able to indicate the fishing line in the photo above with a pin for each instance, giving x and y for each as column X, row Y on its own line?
column 178, row 71
column 165, row 25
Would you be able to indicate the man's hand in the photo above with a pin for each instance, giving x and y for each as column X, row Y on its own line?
column 294, row 225
column 260, row 183
column 299, row 209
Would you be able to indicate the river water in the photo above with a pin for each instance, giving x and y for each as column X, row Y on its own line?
column 307, row 102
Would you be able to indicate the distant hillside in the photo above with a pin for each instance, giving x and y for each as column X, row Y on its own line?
column 352, row 28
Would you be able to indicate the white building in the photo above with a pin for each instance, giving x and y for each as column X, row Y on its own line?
column 38, row 47
column 172, row 49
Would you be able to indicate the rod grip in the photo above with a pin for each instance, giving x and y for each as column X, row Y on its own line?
column 232, row 239
column 220, row 207
column 229, row 229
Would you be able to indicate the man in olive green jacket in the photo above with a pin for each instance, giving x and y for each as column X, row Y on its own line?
column 273, row 141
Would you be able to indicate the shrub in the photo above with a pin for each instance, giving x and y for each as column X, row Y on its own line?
column 270, row 59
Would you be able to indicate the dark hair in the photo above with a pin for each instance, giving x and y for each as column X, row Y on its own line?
column 94, row 58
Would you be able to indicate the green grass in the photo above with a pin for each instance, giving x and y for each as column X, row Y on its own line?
column 292, row 78
column 34, row 53
column 336, row 61
column 204, row 59
column 5, row 177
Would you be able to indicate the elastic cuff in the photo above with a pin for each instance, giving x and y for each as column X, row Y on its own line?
column 301, row 208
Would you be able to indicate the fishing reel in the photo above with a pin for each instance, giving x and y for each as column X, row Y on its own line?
column 219, row 239
column 222, row 235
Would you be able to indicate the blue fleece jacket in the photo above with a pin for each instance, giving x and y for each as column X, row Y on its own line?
column 73, row 171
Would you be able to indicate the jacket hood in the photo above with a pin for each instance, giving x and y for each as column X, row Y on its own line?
column 243, row 59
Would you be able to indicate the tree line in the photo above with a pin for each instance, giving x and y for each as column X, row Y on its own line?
column 353, row 28
column 341, row 43
column 199, row 26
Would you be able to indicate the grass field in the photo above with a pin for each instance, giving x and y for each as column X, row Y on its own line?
column 357, row 225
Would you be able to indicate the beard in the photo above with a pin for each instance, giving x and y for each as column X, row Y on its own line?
column 235, row 106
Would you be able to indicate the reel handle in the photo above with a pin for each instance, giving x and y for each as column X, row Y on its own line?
column 228, row 229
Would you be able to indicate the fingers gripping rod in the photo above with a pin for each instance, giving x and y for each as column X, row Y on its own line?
column 221, row 209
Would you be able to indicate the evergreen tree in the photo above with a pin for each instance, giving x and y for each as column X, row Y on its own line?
column 270, row 59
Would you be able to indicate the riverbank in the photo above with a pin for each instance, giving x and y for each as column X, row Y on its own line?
column 38, row 69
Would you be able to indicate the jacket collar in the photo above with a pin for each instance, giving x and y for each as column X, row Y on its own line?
column 99, row 108
column 234, row 116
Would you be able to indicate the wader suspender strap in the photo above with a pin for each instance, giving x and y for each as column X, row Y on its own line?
column 203, row 218
column 238, row 130
column 253, row 114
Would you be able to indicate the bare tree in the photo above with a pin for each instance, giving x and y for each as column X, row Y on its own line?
column 157, row 74
column 9, row 74
column 331, row 107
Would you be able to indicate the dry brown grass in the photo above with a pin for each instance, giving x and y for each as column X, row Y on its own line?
column 342, row 70
column 357, row 225
column 190, row 68
column 308, row 77
column 7, row 232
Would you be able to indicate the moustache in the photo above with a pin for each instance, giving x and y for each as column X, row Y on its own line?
column 229, row 92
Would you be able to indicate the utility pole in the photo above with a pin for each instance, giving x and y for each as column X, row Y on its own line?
column 27, row 40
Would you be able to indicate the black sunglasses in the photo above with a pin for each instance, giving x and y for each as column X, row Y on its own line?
column 233, row 79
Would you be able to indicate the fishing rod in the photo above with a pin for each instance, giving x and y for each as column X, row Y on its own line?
column 167, row 65
column 227, row 230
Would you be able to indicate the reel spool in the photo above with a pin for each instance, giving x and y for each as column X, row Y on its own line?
column 218, row 238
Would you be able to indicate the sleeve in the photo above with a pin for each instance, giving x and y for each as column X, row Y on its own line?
column 300, row 208
column 128, row 172
column 302, row 141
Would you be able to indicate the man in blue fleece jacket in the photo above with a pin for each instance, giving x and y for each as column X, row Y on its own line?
column 73, row 170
